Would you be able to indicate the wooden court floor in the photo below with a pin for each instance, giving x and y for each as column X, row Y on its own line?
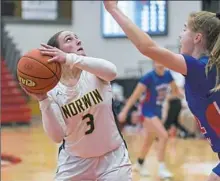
column 189, row 160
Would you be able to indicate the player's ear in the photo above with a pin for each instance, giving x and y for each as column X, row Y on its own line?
column 198, row 38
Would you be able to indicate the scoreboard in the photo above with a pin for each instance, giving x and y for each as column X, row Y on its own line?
column 150, row 15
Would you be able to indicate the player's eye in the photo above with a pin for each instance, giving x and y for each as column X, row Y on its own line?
column 68, row 39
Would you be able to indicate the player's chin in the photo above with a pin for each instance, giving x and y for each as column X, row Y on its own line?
column 81, row 52
column 181, row 49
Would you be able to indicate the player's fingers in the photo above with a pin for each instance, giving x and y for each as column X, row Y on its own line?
column 49, row 53
column 24, row 89
column 46, row 46
column 54, row 59
column 47, row 49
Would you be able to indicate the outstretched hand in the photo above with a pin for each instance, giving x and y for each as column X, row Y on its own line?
column 56, row 54
column 110, row 5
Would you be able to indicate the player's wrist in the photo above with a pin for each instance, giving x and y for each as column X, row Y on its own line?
column 44, row 103
column 112, row 10
column 70, row 59
column 43, row 97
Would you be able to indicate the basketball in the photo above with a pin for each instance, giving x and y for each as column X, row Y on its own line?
column 35, row 74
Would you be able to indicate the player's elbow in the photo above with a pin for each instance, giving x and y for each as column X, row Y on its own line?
column 112, row 73
column 56, row 138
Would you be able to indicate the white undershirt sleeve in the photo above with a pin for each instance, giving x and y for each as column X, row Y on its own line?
column 52, row 118
column 103, row 69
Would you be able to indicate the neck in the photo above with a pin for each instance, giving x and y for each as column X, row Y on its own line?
column 69, row 76
column 198, row 53
column 159, row 73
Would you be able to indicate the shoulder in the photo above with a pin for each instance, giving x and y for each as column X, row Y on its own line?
column 148, row 74
column 193, row 63
column 195, row 67
column 53, row 92
column 147, row 77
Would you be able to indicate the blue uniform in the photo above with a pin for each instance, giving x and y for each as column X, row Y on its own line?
column 204, row 105
column 157, row 87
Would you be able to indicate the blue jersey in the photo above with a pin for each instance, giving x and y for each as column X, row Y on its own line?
column 157, row 87
column 204, row 104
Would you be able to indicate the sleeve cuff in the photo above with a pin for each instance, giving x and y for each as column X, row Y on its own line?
column 70, row 58
column 44, row 104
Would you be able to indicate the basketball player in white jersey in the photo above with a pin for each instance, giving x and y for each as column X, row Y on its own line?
column 79, row 112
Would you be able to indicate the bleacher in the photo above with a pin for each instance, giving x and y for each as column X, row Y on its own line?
column 14, row 103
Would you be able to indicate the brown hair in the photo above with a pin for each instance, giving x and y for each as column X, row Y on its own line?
column 209, row 25
column 53, row 40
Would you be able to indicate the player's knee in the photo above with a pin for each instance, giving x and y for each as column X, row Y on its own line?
column 213, row 177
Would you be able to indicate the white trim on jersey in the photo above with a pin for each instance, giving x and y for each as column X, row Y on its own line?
column 216, row 106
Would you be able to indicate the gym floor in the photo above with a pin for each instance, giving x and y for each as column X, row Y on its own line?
column 189, row 160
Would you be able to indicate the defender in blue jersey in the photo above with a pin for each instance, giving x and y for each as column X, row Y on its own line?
column 156, row 92
column 204, row 104
column 199, row 61
column 152, row 88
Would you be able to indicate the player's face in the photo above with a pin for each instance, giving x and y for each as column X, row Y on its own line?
column 186, row 41
column 70, row 43
column 159, row 68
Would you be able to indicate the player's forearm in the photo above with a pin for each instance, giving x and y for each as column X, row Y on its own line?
column 51, row 123
column 130, row 102
column 101, row 68
column 139, row 38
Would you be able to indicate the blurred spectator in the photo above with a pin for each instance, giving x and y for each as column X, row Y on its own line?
column 173, row 107
column 119, row 102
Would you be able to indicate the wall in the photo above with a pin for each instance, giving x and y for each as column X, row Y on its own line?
column 86, row 23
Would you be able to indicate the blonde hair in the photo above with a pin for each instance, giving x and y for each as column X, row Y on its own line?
column 208, row 24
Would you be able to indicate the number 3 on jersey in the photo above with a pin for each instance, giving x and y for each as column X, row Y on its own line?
column 90, row 123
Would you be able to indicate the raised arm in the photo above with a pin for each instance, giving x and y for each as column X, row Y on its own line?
column 103, row 69
column 144, row 43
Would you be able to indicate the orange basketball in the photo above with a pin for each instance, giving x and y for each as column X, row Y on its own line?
column 35, row 74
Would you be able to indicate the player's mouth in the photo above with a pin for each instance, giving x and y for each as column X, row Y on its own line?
column 80, row 49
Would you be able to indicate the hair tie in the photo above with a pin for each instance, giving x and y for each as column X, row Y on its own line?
column 218, row 15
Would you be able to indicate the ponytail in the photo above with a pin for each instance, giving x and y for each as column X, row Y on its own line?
column 214, row 60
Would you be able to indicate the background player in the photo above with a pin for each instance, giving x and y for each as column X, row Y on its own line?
column 79, row 111
column 199, row 62
column 155, row 85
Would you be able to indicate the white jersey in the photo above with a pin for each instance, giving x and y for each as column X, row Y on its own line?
column 89, row 122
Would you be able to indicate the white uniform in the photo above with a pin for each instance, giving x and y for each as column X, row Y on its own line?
column 93, row 146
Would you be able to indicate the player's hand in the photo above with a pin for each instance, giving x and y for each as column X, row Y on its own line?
column 110, row 5
column 56, row 54
column 122, row 117
column 38, row 97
